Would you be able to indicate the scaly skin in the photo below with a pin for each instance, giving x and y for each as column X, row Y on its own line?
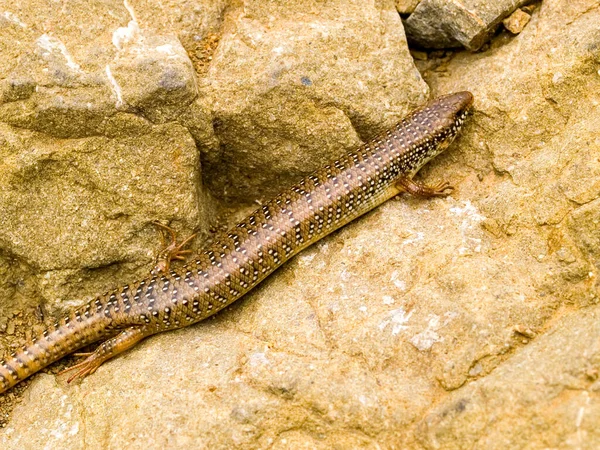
column 241, row 258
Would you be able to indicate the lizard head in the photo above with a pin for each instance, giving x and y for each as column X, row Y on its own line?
column 437, row 123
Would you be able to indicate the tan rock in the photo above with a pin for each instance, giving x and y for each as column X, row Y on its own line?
column 465, row 322
column 315, row 79
column 516, row 21
column 91, row 152
column 71, row 209
column 544, row 397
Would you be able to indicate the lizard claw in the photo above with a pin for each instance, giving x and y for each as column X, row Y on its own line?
column 442, row 189
column 84, row 368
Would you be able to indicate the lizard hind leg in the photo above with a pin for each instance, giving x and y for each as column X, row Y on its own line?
column 105, row 351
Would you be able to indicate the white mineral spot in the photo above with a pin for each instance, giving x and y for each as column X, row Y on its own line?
column 258, row 359
column 557, row 77
column 256, row 36
column 13, row 18
column 398, row 319
column 469, row 210
column 418, row 237
column 125, row 35
column 388, row 300
column 425, row 339
column 115, row 87
column 306, row 258
column 476, row 370
column 471, row 218
column 166, row 48
column 49, row 44
column 395, row 278
column 400, row 284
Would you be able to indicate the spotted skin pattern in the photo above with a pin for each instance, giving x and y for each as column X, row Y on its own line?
column 241, row 258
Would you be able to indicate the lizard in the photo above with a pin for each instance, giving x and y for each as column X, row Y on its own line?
column 241, row 258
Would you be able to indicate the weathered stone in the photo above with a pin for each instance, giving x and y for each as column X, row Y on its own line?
column 287, row 348
column 447, row 24
column 312, row 85
column 74, row 95
column 77, row 212
column 73, row 210
column 465, row 322
column 152, row 75
column 544, row 397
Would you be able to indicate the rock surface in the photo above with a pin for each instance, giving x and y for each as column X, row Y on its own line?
column 92, row 151
column 313, row 77
column 448, row 24
column 465, row 322
column 554, row 397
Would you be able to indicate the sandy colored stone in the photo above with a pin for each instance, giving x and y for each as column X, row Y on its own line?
column 465, row 322
column 316, row 77
column 275, row 359
column 92, row 187
column 542, row 146
column 516, row 21
column 91, row 149
column 67, row 79
column 561, row 408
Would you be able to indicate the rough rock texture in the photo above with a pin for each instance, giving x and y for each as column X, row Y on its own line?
column 447, row 23
column 465, row 322
column 555, row 398
column 92, row 151
column 57, row 194
column 314, row 75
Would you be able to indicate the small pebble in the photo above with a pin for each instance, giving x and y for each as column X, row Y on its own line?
column 515, row 23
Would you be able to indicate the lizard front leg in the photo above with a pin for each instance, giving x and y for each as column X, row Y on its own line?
column 171, row 251
column 441, row 189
